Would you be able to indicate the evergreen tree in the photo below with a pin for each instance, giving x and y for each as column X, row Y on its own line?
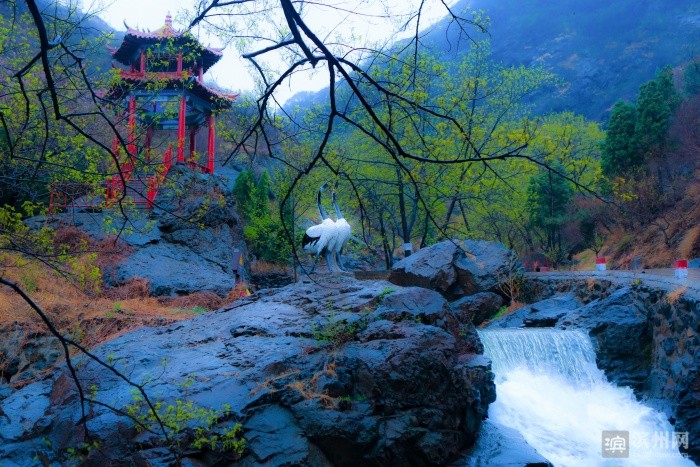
column 620, row 149
column 657, row 101
column 692, row 78
column 549, row 195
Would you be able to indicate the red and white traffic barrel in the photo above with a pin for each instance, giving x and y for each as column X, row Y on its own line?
column 600, row 264
column 681, row 268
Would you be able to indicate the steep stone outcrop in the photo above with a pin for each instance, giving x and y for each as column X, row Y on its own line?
column 432, row 268
column 621, row 335
column 336, row 372
column 25, row 355
column 457, row 268
column 184, row 245
column 477, row 308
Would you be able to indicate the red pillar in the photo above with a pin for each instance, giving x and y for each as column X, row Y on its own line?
column 181, row 132
column 131, row 126
column 179, row 62
column 211, row 146
column 143, row 62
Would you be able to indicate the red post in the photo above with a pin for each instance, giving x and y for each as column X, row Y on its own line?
column 143, row 62
column 211, row 146
column 201, row 73
column 681, row 268
column 151, row 193
column 601, row 264
column 181, row 133
column 179, row 62
column 131, row 125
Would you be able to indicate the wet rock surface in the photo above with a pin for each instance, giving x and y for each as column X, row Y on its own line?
column 457, row 268
column 500, row 446
column 339, row 372
column 545, row 313
column 477, row 308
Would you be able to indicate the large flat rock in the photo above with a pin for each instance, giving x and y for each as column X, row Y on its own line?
column 313, row 377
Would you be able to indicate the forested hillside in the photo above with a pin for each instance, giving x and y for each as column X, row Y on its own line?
column 602, row 50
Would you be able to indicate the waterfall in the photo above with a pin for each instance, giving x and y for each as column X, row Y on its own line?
column 549, row 389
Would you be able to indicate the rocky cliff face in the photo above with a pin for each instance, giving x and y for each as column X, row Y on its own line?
column 339, row 371
column 182, row 246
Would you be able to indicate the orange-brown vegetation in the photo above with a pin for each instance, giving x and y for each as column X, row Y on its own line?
column 673, row 233
column 90, row 311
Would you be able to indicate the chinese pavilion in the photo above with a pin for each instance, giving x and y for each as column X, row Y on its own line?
column 162, row 90
column 159, row 92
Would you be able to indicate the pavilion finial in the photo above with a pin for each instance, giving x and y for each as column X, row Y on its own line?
column 169, row 20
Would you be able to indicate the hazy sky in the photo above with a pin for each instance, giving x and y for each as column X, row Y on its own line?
column 232, row 72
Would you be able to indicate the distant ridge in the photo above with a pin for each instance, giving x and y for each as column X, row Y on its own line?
column 602, row 50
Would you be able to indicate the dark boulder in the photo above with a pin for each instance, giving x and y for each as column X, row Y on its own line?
column 313, row 379
column 477, row 308
column 621, row 334
column 24, row 355
column 458, row 268
column 485, row 266
column 431, row 268
column 414, row 304
column 545, row 313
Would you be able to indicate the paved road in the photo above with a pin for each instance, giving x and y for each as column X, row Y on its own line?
column 657, row 278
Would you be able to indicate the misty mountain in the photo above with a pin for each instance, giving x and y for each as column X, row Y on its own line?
column 602, row 49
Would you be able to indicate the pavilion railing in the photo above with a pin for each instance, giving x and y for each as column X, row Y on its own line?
column 141, row 191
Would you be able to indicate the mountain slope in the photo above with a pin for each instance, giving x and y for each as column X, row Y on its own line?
column 603, row 50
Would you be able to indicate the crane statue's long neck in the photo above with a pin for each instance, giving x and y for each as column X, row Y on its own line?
column 324, row 216
column 335, row 205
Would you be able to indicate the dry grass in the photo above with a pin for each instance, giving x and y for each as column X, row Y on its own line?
column 206, row 300
column 673, row 296
column 264, row 267
column 92, row 318
column 690, row 242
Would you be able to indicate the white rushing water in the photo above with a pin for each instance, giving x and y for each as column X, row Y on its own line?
column 549, row 389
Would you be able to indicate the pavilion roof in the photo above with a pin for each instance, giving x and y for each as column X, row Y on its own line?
column 126, row 53
column 216, row 98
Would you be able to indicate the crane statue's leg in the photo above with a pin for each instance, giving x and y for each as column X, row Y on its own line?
column 339, row 260
column 329, row 261
column 314, row 265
